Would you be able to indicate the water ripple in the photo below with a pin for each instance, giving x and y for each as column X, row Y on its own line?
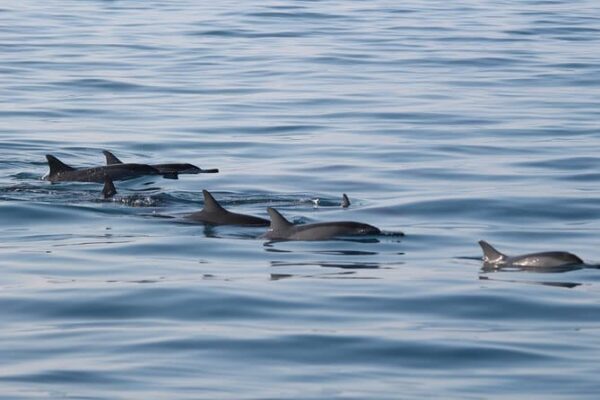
column 448, row 122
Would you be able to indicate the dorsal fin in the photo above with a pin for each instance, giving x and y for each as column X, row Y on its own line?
column 56, row 166
column 109, row 189
column 345, row 201
column 490, row 254
column 210, row 204
column 111, row 159
column 278, row 221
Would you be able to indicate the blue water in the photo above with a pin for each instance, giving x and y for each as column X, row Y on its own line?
column 449, row 121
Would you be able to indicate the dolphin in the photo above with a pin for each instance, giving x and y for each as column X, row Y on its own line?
column 214, row 214
column 169, row 171
column 61, row 172
column 550, row 259
column 109, row 189
column 282, row 229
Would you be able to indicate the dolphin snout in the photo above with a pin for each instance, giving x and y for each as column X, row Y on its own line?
column 190, row 169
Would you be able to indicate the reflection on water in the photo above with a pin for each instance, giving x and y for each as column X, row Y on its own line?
column 350, row 253
column 491, row 267
column 335, row 275
column 325, row 264
column 268, row 245
column 568, row 285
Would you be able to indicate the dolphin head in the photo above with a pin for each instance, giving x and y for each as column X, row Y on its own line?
column 366, row 229
column 189, row 169
column 173, row 170
column 141, row 169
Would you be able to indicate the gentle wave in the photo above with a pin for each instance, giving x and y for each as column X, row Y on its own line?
column 447, row 122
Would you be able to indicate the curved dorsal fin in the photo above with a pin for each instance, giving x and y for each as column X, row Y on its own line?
column 210, row 204
column 56, row 166
column 345, row 201
column 109, row 189
column 490, row 254
column 278, row 221
column 111, row 159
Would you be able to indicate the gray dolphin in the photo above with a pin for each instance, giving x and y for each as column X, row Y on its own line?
column 282, row 229
column 170, row 171
column 214, row 214
column 550, row 259
column 61, row 172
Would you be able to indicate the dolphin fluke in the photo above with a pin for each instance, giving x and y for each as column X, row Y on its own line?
column 109, row 189
column 111, row 159
column 345, row 201
column 56, row 166
column 490, row 254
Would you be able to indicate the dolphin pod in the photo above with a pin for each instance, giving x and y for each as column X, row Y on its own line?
column 61, row 172
column 279, row 227
column 214, row 213
column 116, row 170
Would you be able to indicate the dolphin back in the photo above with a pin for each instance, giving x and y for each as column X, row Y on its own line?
column 550, row 259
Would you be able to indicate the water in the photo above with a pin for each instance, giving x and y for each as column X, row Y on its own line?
column 451, row 122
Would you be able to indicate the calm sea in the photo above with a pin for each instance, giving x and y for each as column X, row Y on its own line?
column 449, row 121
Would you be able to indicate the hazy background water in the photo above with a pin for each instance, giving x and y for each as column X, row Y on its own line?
column 449, row 121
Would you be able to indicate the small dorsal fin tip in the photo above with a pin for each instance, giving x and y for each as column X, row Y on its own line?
column 345, row 201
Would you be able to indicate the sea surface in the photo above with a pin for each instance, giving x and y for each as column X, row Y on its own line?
column 448, row 121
